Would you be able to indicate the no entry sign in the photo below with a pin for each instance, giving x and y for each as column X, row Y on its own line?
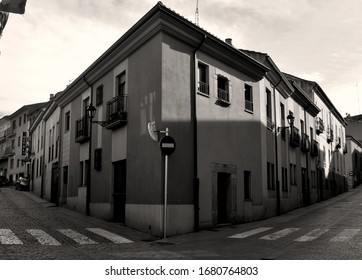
column 167, row 145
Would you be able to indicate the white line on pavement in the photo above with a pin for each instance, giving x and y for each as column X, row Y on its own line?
column 314, row 234
column 279, row 234
column 345, row 235
column 77, row 237
column 109, row 235
column 250, row 232
column 42, row 237
column 7, row 237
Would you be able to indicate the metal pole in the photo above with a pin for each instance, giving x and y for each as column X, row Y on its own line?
column 165, row 198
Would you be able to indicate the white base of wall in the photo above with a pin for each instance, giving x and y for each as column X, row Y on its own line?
column 149, row 218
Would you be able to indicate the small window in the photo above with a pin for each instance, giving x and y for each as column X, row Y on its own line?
column 98, row 159
column 247, row 184
column 19, row 140
column 248, row 92
column 67, row 121
column 203, row 86
column 223, row 89
column 19, row 121
column 99, row 95
column 65, row 175
column 121, row 84
column 24, row 118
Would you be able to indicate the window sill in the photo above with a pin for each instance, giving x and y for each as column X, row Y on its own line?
column 222, row 103
column 248, row 111
column 203, row 94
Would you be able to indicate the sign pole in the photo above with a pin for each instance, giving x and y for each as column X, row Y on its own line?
column 165, row 198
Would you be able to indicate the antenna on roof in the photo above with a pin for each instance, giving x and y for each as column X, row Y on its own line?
column 197, row 13
column 359, row 108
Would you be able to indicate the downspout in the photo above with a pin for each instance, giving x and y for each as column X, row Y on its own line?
column 89, row 175
column 306, row 160
column 196, row 183
column 276, row 151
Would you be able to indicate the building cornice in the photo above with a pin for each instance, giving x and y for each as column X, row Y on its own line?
column 161, row 20
column 303, row 99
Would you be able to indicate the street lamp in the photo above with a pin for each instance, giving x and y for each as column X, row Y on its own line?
column 90, row 111
column 290, row 120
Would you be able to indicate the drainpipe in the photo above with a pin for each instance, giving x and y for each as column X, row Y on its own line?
column 87, row 207
column 196, row 182
column 276, row 151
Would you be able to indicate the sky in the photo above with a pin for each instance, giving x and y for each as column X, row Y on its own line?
column 44, row 50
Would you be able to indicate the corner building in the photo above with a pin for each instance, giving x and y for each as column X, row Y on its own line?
column 227, row 111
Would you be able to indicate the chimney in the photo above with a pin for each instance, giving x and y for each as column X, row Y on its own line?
column 229, row 41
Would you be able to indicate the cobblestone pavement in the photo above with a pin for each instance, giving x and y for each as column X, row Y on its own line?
column 31, row 228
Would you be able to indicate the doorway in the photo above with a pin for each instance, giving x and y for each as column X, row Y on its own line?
column 54, row 184
column 119, row 191
column 223, row 198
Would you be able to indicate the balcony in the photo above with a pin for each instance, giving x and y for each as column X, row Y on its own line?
column 314, row 148
column 330, row 136
column 294, row 140
column 338, row 146
column 203, row 88
column 345, row 150
column 2, row 138
column 82, row 130
column 319, row 126
column 305, row 144
column 269, row 123
column 116, row 112
column 223, row 97
column 10, row 132
column 9, row 151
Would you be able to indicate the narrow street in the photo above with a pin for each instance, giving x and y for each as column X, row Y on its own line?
column 31, row 228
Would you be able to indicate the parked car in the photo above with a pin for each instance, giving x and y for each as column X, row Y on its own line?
column 3, row 181
column 22, row 184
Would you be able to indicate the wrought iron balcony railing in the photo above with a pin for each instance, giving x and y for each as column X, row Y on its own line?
column 294, row 140
column 116, row 112
column 305, row 145
column 314, row 148
column 319, row 126
column 203, row 88
column 82, row 130
column 330, row 136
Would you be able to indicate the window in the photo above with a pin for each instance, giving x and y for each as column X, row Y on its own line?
column 247, row 184
column 19, row 121
column 223, row 88
column 99, row 95
column 13, row 144
column 293, row 174
column 284, row 179
column 121, row 84
column 98, row 159
column 302, row 127
column 19, row 140
column 282, row 120
column 270, row 176
column 24, row 118
column 12, row 163
column 203, row 71
column 14, row 124
column 65, row 175
column 81, row 173
column 269, row 109
column 18, row 163
column 248, row 92
column 67, row 121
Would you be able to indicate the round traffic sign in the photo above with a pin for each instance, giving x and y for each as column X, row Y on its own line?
column 167, row 145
